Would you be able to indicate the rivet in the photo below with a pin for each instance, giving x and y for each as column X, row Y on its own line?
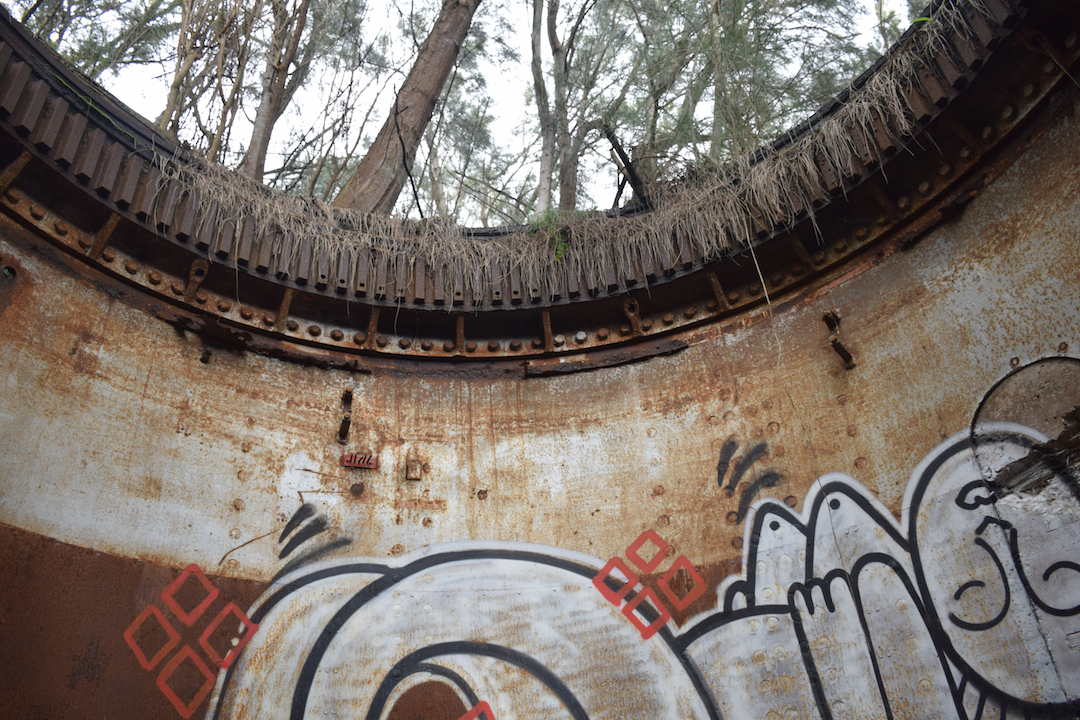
column 108, row 255
column 337, row 335
column 558, row 339
column 1006, row 112
column 797, row 269
column 624, row 330
column 755, row 289
column 1049, row 66
column 537, row 343
column 155, row 278
column 580, row 336
column 1028, row 90
column 426, row 345
column 269, row 319
column 733, row 297
column 861, row 232
column 711, row 305
column 493, row 345
column 36, row 211
column 790, row 501
column 646, row 324
column 602, row 334
column 238, row 505
column 903, row 202
column 944, row 170
column 777, row 279
column 965, row 152
column 448, row 346
column 470, row 346
column 1070, row 41
column 356, row 489
column 177, row 287
column 13, row 195
column 131, row 267
column 987, row 132
column 515, row 345
column 1015, row 362
column 851, row 430
column 840, row 246
column 404, row 343
column 818, row 257
column 668, row 318
column 360, row 338
column 1063, row 347
column 61, row 227
column 292, row 325
column 314, row 330
column 689, row 312
column 428, row 522
column 860, row 462
column 736, row 543
column 924, row 187
column 224, row 306
column 382, row 340
column 201, row 297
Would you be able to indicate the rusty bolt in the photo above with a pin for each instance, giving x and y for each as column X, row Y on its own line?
column 13, row 195
column 428, row 522
column 861, row 231
column 736, row 543
column 777, row 279
column 356, row 489
column 177, row 287
column 580, row 336
column 1006, row 112
column 860, row 462
column 470, row 346
column 493, row 345
column 397, row 550
column 201, row 297
column 426, row 344
column 404, row 343
column 238, row 505
column 482, row 494
column 790, row 501
column 1049, row 66
column 224, row 306
column 108, row 255
column 624, row 329
column 774, row 427
column 131, row 267
column 36, row 211
column 537, row 343
column 427, row 467
column 711, row 305
column 818, row 257
column 360, row 338
column 903, row 202
column 755, row 289
column 689, row 312
column 314, row 330
column 292, row 325
column 1028, row 90
column 515, row 345
column 851, row 430
column 269, row 319
column 987, row 132
column 155, row 277
column 382, row 340
column 668, row 318
column 337, row 335
column 61, row 227
column 965, row 152
column 448, row 346
column 1063, row 347
column 558, row 340
column 779, row 451
column 944, row 170
column 797, row 269
column 658, row 490
column 732, row 518
column 247, row 313
column 1015, row 362
column 733, row 297
column 924, row 188
column 646, row 324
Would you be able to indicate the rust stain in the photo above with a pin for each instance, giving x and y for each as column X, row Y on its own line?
column 418, row 504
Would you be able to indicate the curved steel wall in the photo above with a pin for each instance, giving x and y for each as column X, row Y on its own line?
column 811, row 530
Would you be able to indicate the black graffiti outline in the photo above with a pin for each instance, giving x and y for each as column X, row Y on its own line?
column 768, row 479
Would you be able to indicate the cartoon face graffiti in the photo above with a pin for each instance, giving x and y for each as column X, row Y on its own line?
column 1000, row 585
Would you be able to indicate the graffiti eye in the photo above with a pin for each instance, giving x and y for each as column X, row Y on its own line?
column 967, row 586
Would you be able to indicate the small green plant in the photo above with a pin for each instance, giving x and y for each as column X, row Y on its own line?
column 552, row 223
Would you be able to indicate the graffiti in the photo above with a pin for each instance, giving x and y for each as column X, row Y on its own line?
column 768, row 479
column 841, row 611
column 654, row 615
column 482, row 709
column 186, row 680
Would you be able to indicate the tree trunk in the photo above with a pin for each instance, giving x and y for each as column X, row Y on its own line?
column 288, row 29
column 543, row 110
column 378, row 181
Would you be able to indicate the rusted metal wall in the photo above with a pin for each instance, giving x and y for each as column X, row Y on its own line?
column 181, row 536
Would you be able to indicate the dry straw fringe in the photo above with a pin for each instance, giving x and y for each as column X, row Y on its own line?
column 716, row 210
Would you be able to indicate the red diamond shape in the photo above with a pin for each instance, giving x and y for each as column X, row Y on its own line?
column 211, row 593
column 632, row 551
column 481, row 707
column 614, row 597
column 129, row 636
column 186, row 653
column 204, row 640
column 647, row 631
column 699, row 584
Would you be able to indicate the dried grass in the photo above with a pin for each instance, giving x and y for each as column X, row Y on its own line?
column 716, row 210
